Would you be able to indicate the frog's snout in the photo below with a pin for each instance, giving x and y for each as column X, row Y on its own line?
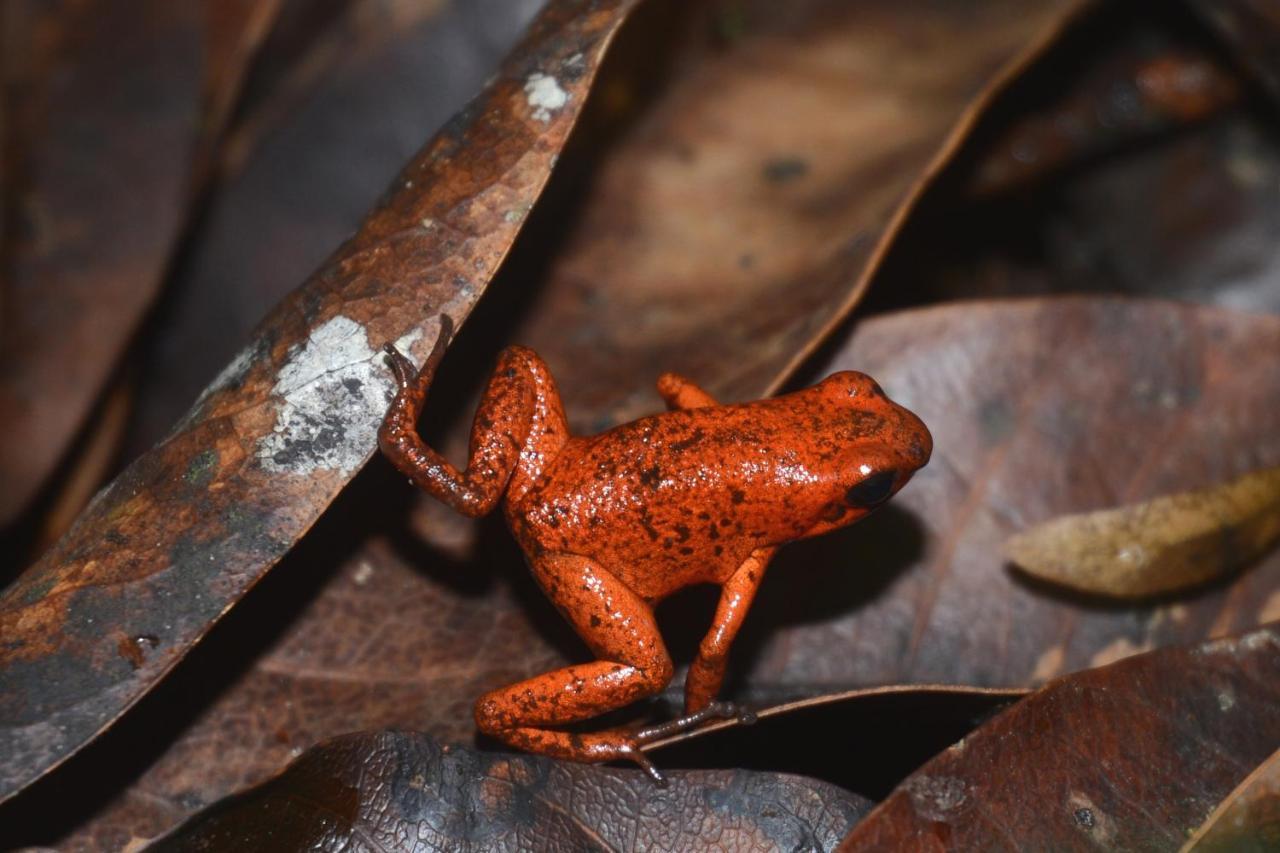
column 917, row 443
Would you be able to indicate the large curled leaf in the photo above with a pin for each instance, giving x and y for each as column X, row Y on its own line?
column 403, row 792
column 189, row 527
column 1132, row 756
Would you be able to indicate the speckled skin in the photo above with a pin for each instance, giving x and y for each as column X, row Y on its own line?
column 613, row 523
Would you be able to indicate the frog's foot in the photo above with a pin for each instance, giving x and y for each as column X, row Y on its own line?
column 409, row 378
column 713, row 711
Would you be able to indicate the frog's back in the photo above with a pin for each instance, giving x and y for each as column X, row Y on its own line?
column 683, row 497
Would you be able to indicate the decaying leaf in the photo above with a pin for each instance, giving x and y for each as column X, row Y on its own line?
column 403, row 792
column 1132, row 756
column 1163, row 545
column 387, row 634
column 1248, row 820
column 190, row 526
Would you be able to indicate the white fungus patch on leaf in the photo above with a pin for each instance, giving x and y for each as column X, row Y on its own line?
column 544, row 95
column 335, row 388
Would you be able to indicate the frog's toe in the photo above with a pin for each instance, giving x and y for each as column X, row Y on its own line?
column 400, row 365
column 632, row 752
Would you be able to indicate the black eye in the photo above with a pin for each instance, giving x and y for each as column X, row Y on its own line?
column 873, row 490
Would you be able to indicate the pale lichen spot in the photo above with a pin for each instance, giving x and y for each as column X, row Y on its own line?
column 1258, row 639
column 516, row 214
column 1226, row 700
column 544, row 95
column 1250, row 642
column 334, row 390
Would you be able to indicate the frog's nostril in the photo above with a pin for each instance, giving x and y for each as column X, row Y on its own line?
column 873, row 490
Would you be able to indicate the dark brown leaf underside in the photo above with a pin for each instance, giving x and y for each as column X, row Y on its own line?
column 401, row 791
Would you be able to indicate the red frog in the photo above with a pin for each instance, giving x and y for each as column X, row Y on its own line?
column 613, row 523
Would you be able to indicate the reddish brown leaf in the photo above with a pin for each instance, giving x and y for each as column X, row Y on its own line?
column 1248, row 820
column 1131, row 756
column 190, row 526
column 1187, row 214
column 399, row 791
column 111, row 112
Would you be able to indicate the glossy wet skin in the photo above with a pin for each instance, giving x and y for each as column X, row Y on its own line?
column 614, row 522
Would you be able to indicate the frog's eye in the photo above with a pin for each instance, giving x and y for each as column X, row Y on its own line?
column 873, row 490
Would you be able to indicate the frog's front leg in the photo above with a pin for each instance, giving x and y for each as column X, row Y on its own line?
column 706, row 673
column 502, row 425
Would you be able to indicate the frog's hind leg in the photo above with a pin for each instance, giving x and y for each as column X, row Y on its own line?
column 632, row 664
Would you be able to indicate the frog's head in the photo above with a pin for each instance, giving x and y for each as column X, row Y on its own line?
column 875, row 443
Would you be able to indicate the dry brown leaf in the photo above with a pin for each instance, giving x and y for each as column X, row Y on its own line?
column 1163, row 545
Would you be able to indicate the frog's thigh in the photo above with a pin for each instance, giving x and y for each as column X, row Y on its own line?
column 633, row 663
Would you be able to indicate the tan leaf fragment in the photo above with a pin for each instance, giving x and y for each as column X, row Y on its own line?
column 1159, row 546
